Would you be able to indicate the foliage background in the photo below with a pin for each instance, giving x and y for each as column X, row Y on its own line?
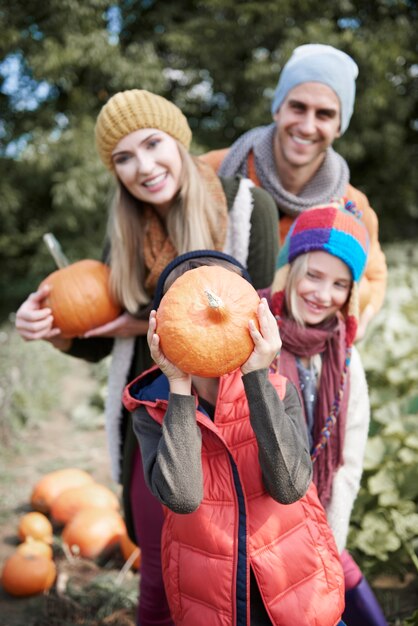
column 219, row 60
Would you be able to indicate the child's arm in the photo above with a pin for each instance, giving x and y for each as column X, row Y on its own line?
column 171, row 454
column 278, row 426
column 282, row 437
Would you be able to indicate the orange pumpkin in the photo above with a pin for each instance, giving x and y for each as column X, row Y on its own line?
column 26, row 575
column 70, row 501
column 35, row 547
column 202, row 321
column 91, row 531
column 52, row 484
column 35, row 525
column 80, row 299
column 128, row 548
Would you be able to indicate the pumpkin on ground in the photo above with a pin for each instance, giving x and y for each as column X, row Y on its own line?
column 70, row 501
column 35, row 525
column 27, row 575
column 91, row 531
column 35, row 547
column 202, row 321
column 52, row 484
column 80, row 299
column 128, row 548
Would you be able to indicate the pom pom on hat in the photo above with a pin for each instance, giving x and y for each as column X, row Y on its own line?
column 322, row 64
column 131, row 110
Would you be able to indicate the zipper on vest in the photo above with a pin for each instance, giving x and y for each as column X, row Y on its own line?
column 241, row 586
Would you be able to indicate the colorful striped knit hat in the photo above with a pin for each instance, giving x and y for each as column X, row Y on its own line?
column 335, row 228
column 332, row 228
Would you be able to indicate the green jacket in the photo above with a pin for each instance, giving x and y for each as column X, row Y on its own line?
column 254, row 231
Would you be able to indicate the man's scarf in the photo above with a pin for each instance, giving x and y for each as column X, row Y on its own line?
column 330, row 181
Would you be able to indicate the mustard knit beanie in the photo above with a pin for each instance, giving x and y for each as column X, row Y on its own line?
column 131, row 110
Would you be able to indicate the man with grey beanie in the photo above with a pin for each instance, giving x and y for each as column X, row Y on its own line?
column 293, row 158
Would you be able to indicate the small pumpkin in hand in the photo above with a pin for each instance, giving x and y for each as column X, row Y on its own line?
column 27, row 575
column 80, row 299
column 52, row 484
column 202, row 321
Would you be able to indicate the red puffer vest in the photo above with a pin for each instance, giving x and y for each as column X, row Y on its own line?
column 207, row 554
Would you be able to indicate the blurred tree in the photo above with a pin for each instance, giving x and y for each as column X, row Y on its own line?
column 219, row 60
column 226, row 56
column 61, row 62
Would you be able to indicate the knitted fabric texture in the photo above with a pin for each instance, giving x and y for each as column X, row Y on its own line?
column 334, row 229
column 330, row 181
column 320, row 64
column 132, row 110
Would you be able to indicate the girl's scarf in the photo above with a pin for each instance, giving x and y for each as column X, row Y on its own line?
column 330, row 181
column 329, row 340
column 158, row 247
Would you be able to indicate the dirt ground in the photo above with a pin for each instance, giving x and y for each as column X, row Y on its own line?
column 54, row 443
column 58, row 442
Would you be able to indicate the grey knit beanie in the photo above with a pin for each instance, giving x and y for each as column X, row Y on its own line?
column 322, row 64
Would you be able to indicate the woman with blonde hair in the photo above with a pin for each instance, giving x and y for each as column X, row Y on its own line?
column 167, row 203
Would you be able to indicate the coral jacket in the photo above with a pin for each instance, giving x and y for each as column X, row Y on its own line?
column 373, row 283
column 207, row 554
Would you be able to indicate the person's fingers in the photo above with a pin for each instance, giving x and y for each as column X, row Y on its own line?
column 41, row 294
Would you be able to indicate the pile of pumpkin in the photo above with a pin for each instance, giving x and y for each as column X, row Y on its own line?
column 88, row 514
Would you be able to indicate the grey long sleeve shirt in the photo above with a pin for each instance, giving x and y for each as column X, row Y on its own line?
column 171, row 453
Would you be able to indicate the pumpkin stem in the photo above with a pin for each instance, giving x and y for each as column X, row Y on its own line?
column 215, row 302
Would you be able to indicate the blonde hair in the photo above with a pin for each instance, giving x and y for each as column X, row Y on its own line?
column 297, row 270
column 191, row 225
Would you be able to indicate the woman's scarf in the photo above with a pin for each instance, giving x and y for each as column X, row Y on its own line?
column 158, row 247
column 330, row 181
column 329, row 340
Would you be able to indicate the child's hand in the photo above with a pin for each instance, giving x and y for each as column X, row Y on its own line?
column 267, row 342
column 179, row 381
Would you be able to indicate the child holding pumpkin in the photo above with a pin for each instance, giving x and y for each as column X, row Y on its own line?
column 315, row 299
column 167, row 203
column 245, row 539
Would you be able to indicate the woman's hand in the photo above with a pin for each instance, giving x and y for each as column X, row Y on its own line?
column 179, row 381
column 126, row 325
column 267, row 342
column 35, row 321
